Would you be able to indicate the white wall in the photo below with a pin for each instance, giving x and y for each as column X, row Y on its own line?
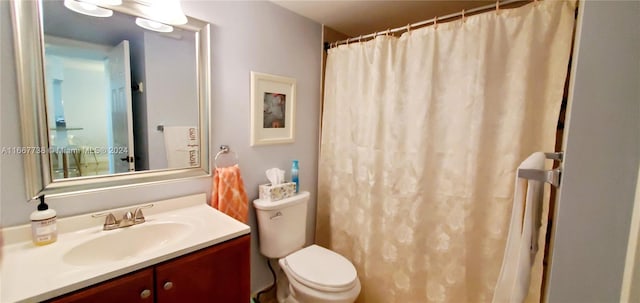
column 263, row 37
column 172, row 100
column 84, row 93
column 601, row 156
column 245, row 36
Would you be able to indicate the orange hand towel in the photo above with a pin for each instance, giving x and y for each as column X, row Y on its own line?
column 228, row 194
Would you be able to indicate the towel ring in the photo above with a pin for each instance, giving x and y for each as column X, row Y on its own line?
column 224, row 149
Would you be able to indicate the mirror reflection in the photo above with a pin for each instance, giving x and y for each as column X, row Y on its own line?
column 119, row 98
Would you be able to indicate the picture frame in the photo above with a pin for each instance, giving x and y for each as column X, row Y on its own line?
column 273, row 108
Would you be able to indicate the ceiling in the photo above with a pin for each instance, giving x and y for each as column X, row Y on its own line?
column 355, row 18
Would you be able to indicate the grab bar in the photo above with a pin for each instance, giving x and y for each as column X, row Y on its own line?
column 552, row 177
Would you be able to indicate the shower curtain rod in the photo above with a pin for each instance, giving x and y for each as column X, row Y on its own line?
column 408, row 27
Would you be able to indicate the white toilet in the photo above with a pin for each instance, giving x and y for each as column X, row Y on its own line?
column 314, row 274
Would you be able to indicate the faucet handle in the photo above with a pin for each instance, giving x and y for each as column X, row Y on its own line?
column 110, row 222
column 138, row 216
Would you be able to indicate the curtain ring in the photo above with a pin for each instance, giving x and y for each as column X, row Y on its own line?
column 408, row 27
column 463, row 17
column 388, row 32
column 435, row 22
column 497, row 6
column 360, row 39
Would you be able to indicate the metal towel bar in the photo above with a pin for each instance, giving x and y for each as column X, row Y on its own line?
column 550, row 176
column 224, row 149
column 557, row 156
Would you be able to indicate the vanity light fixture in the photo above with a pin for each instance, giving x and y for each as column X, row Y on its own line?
column 153, row 25
column 86, row 8
column 103, row 2
column 160, row 15
column 163, row 11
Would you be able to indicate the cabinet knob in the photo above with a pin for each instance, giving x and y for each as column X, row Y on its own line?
column 168, row 285
column 145, row 294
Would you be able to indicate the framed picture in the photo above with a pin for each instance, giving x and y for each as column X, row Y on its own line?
column 273, row 108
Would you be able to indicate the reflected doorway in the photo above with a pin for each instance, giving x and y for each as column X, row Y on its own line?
column 91, row 133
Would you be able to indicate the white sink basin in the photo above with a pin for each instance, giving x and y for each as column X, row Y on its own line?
column 128, row 242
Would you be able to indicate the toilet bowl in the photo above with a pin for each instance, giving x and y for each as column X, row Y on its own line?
column 311, row 274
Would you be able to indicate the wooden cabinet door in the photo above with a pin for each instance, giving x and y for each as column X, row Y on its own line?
column 216, row 274
column 131, row 288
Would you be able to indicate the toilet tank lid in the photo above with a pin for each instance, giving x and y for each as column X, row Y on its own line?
column 269, row 205
column 319, row 266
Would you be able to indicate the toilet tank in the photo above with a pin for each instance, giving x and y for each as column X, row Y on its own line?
column 282, row 224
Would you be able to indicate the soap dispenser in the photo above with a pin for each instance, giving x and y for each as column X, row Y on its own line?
column 43, row 224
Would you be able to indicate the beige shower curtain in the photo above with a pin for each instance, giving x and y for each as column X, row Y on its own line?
column 421, row 137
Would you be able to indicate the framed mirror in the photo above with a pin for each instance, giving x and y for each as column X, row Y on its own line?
column 106, row 103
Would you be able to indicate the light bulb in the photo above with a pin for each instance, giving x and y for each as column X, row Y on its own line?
column 164, row 11
column 153, row 25
column 88, row 9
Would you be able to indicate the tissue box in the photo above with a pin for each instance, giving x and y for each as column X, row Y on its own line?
column 276, row 192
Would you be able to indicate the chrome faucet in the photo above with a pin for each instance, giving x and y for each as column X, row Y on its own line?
column 128, row 219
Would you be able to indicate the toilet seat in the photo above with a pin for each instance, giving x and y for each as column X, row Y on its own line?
column 319, row 268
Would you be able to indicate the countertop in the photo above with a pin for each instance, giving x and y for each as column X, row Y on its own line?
column 32, row 273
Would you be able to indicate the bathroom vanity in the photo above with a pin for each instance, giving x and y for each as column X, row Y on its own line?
column 216, row 274
column 186, row 251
